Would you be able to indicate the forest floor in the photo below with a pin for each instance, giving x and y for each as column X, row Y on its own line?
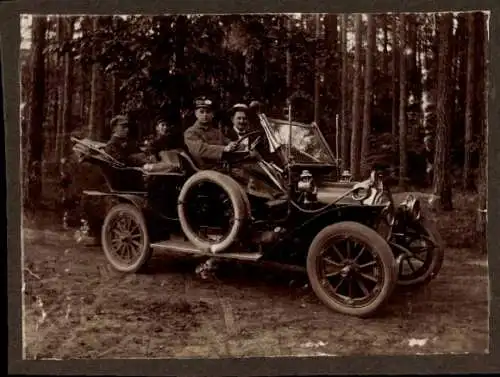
column 75, row 306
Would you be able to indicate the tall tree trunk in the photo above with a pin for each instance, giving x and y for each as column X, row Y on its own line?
column 35, row 128
column 116, row 102
column 317, row 73
column 385, row 59
column 469, row 101
column 344, row 130
column 68, row 88
column 482, row 90
column 96, row 116
column 257, row 73
column 58, row 113
column 84, row 75
column 83, row 93
column 289, row 58
column 442, row 175
column 384, row 20
column 403, row 101
column 115, row 83
column 417, row 85
column 180, row 42
column 367, row 110
column 51, row 105
column 459, row 121
column 356, row 102
column 457, row 115
column 333, row 76
column 395, row 90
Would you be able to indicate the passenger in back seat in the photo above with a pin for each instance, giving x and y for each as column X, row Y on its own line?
column 122, row 145
column 164, row 149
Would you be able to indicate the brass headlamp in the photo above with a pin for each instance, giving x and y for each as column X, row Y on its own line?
column 307, row 186
column 412, row 206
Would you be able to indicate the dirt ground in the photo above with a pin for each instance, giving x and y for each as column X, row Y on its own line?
column 75, row 306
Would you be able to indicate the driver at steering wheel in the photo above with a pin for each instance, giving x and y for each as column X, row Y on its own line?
column 240, row 125
column 206, row 142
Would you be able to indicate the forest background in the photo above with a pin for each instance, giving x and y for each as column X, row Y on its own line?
column 405, row 91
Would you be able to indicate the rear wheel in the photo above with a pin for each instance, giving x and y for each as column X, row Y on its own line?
column 351, row 269
column 125, row 238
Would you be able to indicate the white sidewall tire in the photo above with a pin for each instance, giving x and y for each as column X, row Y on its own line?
column 239, row 201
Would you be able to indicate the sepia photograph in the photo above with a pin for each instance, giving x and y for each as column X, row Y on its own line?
column 254, row 185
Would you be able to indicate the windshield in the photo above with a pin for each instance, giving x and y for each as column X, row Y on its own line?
column 308, row 144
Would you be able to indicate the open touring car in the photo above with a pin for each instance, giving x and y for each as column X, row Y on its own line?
column 352, row 240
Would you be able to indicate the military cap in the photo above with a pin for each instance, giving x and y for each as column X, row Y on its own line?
column 119, row 121
column 203, row 102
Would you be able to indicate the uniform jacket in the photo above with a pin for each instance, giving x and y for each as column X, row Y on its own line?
column 163, row 143
column 125, row 150
column 205, row 143
column 119, row 147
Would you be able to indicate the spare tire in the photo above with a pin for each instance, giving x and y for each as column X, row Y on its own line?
column 238, row 198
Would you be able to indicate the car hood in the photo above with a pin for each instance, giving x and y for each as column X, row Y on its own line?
column 331, row 191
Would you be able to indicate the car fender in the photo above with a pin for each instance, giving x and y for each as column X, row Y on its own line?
column 358, row 213
column 300, row 237
column 136, row 200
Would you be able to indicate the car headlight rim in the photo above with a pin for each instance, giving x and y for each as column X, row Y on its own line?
column 413, row 206
column 361, row 194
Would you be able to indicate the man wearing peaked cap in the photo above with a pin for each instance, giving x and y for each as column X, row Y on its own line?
column 121, row 145
column 203, row 102
column 206, row 142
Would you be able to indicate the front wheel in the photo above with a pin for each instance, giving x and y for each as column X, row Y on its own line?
column 420, row 254
column 351, row 269
column 125, row 239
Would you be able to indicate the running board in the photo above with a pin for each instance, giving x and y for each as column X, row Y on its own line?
column 112, row 193
column 180, row 246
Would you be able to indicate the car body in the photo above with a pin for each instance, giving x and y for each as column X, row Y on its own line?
column 350, row 238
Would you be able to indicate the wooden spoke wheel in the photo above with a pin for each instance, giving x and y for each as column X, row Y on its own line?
column 125, row 239
column 420, row 254
column 351, row 269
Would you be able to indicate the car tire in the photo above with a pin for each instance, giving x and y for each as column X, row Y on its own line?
column 238, row 198
column 112, row 235
column 382, row 258
column 436, row 263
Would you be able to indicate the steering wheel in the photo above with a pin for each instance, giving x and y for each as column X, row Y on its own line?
column 246, row 136
column 236, row 156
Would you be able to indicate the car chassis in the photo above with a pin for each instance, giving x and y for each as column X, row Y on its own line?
column 355, row 244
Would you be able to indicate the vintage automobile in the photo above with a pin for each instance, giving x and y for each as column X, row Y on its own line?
column 351, row 239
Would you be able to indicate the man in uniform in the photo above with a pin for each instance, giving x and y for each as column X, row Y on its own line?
column 163, row 149
column 206, row 142
column 121, row 146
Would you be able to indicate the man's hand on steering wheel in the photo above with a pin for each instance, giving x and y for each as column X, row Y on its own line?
column 232, row 146
column 246, row 137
